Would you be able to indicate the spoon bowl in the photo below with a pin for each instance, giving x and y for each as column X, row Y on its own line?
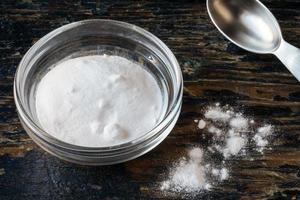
column 258, row 32
column 251, row 26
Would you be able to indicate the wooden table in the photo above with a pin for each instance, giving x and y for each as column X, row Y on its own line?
column 214, row 71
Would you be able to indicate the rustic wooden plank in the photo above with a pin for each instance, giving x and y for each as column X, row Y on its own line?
column 214, row 71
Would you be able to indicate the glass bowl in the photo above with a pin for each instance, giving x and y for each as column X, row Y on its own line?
column 98, row 37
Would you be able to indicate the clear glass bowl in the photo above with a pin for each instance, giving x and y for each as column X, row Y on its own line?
column 97, row 37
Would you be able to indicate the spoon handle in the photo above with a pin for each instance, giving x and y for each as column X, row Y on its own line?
column 290, row 57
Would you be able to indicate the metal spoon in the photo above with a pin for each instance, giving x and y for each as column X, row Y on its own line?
column 250, row 25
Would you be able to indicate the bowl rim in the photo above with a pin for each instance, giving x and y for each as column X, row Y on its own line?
column 44, row 135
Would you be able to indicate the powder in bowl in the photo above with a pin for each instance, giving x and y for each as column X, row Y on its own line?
column 98, row 101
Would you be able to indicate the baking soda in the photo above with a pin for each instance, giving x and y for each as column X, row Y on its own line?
column 214, row 130
column 234, row 144
column 231, row 133
column 188, row 174
column 217, row 114
column 239, row 122
column 98, row 101
column 261, row 137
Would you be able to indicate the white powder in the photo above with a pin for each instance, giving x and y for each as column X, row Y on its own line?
column 232, row 132
column 261, row 137
column 201, row 124
column 217, row 114
column 223, row 174
column 196, row 154
column 239, row 122
column 265, row 130
column 220, row 174
column 234, row 144
column 98, row 101
column 260, row 141
column 215, row 130
column 188, row 175
column 215, row 172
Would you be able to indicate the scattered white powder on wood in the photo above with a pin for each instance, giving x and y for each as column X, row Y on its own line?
column 188, row 175
column 224, row 174
column 215, row 130
column 260, row 141
column 201, row 124
column 261, row 137
column 217, row 114
column 233, row 134
column 215, row 172
column 265, row 130
column 220, row 174
column 196, row 154
column 219, row 148
column 234, row 144
column 97, row 101
column 239, row 122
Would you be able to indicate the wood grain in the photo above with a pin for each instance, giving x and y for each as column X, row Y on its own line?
column 214, row 71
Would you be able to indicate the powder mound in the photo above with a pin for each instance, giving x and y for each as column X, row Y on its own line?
column 188, row 175
column 96, row 101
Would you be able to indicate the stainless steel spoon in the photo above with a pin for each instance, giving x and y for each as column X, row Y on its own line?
column 250, row 25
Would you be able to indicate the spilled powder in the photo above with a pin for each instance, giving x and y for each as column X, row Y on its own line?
column 213, row 129
column 239, row 122
column 231, row 132
column 234, row 144
column 261, row 137
column 188, row 174
column 217, row 114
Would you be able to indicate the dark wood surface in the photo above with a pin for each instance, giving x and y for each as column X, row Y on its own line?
column 214, row 71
